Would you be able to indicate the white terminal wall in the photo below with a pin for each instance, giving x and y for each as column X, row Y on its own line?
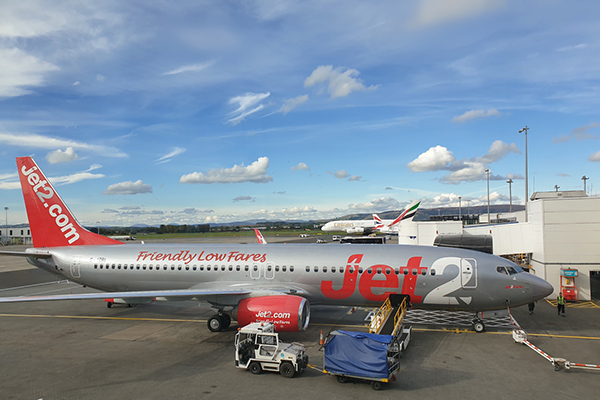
column 561, row 232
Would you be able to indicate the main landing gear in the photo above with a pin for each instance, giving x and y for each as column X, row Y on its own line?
column 218, row 322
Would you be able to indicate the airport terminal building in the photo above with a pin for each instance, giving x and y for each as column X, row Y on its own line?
column 557, row 238
column 15, row 235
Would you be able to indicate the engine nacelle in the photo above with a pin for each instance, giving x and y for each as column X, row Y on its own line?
column 355, row 230
column 287, row 312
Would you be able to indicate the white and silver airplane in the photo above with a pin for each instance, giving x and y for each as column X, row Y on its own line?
column 367, row 226
column 255, row 282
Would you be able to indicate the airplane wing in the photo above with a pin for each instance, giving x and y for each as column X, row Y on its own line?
column 198, row 293
column 189, row 294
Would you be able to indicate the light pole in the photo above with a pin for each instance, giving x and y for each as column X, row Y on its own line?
column 510, row 181
column 487, row 171
column 526, row 172
column 6, row 221
column 584, row 179
column 459, row 209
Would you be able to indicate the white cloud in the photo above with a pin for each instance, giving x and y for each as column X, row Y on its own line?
column 32, row 140
column 290, row 104
column 190, row 68
column 498, row 150
column 434, row 12
column 20, row 70
column 77, row 177
column 580, row 133
column 376, row 205
column 255, row 172
column 300, row 166
column 595, row 157
column 341, row 84
column 246, row 102
column 576, row 47
column 434, row 159
column 34, row 18
column 100, row 78
column 473, row 114
column 243, row 198
column 59, row 156
column 341, row 174
column 7, row 183
column 129, row 187
column 175, row 152
column 439, row 158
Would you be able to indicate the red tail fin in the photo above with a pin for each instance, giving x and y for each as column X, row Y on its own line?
column 50, row 220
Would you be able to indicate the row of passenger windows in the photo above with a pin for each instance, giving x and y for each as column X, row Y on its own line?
column 151, row 267
column 388, row 271
column 246, row 268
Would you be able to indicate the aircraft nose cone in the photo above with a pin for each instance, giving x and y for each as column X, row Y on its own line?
column 542, row 289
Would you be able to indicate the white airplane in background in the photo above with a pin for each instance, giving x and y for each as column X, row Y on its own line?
column 254, row 282
column 393, row 226
column 367, row 226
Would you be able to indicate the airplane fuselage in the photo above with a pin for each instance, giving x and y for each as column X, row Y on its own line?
column 454, row 279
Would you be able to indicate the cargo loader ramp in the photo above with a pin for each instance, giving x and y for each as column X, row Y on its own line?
column 388, row 319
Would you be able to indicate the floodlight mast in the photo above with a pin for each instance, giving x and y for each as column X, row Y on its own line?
column 526, row 172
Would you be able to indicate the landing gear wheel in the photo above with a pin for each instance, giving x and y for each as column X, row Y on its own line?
column 376, row 385
column 215, row 323
column 478, row 326
column 109, row 304
column 226, row 320
column 255, row 368
column 286, row 370
column 342, row 379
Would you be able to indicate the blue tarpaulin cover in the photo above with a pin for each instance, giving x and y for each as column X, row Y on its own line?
column 358, row 354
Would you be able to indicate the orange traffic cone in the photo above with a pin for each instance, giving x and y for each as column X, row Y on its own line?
column 321, row 341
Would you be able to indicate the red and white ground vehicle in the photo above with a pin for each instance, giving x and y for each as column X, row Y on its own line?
column 257, row 348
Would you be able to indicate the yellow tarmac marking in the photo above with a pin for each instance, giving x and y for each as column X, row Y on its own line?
column 444, row 330
column 581, row 304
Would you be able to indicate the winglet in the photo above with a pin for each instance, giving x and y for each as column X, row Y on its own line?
column 51, row 222
column 260, row 237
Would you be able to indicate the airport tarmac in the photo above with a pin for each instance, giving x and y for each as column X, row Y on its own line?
column 83, row 350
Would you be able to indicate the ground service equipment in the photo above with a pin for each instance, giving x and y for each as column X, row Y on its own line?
column 257, row 348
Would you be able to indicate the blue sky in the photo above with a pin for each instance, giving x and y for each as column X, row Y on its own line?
column 219, row 111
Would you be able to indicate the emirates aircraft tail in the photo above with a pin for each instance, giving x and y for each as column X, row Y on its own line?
column 407, row 214
column 51, row 222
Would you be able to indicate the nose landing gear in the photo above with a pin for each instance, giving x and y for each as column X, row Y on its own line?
column 477, row 325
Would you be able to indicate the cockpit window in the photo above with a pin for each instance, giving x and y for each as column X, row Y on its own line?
column 512, row 270
column 509, row 270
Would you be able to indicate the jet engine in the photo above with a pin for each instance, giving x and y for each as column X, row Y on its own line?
column 289, row 313
column 355, row 230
